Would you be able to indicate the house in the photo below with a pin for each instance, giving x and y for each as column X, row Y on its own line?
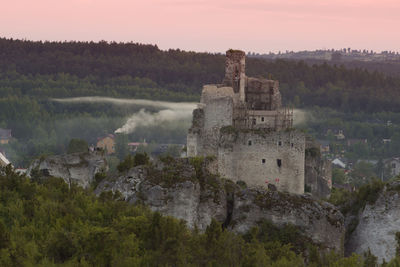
column 5, row 136
column 3, row 160
column 340, row 135
column 324, row 146
column 107, row 143
column 386, row 140
column 133, row 146
column 394, row 165
column 338, row 163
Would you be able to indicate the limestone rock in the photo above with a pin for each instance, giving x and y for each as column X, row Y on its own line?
column 318, row 220
column 77, row 168
column 377, row 226
column 199, row 199
column 184, row 199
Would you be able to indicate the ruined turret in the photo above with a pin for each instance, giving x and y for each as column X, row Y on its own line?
column 235, row 75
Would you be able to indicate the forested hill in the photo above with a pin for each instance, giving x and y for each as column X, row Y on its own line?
column 62, row 69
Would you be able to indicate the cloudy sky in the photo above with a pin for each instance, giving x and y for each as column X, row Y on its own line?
column 210, row 25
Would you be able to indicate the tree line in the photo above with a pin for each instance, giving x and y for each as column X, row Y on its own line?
column 86, row 68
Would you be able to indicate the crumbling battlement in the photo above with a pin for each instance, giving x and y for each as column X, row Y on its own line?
column 235, row 76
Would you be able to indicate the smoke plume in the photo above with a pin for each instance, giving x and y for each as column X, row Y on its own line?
column 145, row 118
column 166, row 111
column 300, row 117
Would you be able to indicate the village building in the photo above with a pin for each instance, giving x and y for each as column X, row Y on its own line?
column 107, row 143
column 5, row 136
column 386, row 141
column 340, row 135
column 393, row 164
column 339, row 163
column 324, row 146
column 133, row 146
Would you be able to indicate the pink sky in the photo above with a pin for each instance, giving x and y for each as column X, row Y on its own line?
column 210, row 25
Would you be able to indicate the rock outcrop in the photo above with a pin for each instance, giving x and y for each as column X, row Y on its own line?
column 377, row 225
column 79, row 168
column 318, row 220
column 187, row 192
column 317, row 171
column 173, row 191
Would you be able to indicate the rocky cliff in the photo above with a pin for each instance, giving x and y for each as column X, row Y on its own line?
column 377, row 225
column 79, row 168
column 185, row 190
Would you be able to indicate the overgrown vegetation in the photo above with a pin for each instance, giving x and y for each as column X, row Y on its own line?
column 48, row 223
column 77, row 145
column 313, row 152
column 353, row 202
column 133, row 161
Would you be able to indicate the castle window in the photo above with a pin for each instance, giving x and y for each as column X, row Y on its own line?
column 262, row 118
column 279, row 143
column 249, row 143
column 292, row 144
column 279, row 162
column 263, row 161
column 254, row 121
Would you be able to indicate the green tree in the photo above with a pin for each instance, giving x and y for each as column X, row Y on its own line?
column 338, row 176
column 77, row 145
column 121, row 146
column 126, row 164
column 141, row 159
column 362, row 173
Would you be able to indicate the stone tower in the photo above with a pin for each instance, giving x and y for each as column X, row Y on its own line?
column 241, row 122
column 235, row 75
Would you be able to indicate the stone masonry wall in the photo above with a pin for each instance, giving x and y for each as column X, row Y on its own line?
column 218, row 113
column 235, row 76
column 253, row 158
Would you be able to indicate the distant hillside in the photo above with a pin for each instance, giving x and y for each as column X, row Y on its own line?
column 62, row 69
column 345, row 54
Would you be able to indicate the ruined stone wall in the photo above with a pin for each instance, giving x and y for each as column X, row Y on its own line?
column 194, row 140
column 193, row 143
column 263, row 94
column 213, row 91
column 214, row 113
column 318, row 171
column 251, row 154
column 218, row 113
column 318, row 176
column 235, row 76
column 253, row 157
column 276, row 98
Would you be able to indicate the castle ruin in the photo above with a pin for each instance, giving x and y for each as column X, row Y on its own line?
column 243, row 124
